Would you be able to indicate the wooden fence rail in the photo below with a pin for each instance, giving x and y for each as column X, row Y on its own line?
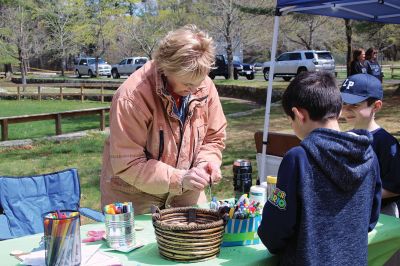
column 40, row 92
column 5, row 121
column 387, row 68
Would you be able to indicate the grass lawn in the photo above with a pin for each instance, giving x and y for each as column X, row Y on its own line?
column 44, row 157
column 85, row 153
column 47, row 128
column 55, row 91
column 257, row 83
column 25, row 107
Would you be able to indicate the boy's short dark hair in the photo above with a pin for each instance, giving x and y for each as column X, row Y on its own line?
column 315, row 92
column 371, row 101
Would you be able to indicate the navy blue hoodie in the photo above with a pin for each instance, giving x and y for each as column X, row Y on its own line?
column 326, row 201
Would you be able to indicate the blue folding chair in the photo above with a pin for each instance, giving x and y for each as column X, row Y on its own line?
column 23, row 201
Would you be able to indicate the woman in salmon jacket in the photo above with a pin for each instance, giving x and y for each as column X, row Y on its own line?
column 167, row 128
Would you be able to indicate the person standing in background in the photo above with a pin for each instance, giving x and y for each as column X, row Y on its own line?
column 357, row 66
column 371, row 62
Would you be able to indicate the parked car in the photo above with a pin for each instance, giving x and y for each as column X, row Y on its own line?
column 289, row 64
column 247, row 71
column 221, row 68
column 258, row 66
column 87, row 66
column 127, row 66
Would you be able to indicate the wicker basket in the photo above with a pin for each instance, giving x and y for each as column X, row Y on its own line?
column 188, row 234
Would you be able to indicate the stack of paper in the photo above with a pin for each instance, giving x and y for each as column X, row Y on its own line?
column 91, row 256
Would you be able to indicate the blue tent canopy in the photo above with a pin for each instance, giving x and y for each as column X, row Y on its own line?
column 383, row 11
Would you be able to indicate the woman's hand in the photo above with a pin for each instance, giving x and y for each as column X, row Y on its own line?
column 214, row 171
column 195, row 179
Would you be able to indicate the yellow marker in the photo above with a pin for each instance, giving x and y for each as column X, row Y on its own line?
column 231, row 212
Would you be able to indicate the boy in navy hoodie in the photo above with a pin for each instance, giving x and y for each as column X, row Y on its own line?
column 328, row 193
column 362, row 98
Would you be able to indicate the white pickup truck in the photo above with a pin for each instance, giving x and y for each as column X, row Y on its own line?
column 127, row 66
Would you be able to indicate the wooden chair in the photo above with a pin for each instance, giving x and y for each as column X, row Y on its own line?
column 277, row 145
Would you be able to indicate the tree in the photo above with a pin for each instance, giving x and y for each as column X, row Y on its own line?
column 147, row 27
column 93, row 31
column 59, row 17
column 301, row 29
column 349, row 35
column 223, row 19
column 18, row 32
column 6, row 49
column 149, row 21
column 255, row 39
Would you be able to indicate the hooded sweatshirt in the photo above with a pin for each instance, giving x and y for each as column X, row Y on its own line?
column 326, row 201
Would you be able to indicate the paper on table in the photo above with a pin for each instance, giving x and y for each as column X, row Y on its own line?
column 90, row 256
column 34, row 258
column 101, row 258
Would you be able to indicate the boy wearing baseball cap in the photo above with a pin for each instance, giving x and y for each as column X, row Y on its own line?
column 362, row 98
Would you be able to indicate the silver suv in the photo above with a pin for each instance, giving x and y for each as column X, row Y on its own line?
column 127, row 66
column 87, row 66
column 289, row 64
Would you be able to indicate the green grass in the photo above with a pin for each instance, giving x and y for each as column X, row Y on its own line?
column 234, row 106
column 25, row 107
column 85, row 154
column 44, row 157
column 47, row 128
column 55, row 91
column 257, row 83
column 68, row 77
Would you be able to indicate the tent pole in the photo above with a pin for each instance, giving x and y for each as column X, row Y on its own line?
column 268, row 102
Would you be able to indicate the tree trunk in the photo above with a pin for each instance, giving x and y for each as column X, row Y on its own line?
column 229, row 51
column 63, row 66
column 7, row 71
column 63, row 63
column 24, row 72
column 41, row 62
column 7, row 68
column 27, row 66
column 349, row 33
column 97, row 66
column 22, row 68
column 63, row 58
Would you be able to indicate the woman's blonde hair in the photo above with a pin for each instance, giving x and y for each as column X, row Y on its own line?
column 187, row 52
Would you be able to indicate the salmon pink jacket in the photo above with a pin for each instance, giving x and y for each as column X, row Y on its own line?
column 148, row 147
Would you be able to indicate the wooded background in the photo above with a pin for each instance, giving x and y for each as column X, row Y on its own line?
column 49, row 34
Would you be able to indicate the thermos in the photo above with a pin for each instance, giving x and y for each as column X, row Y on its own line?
column 242, row 180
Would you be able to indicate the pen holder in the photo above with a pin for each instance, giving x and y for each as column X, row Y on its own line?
column 120, row 231
column 62, row 238
column 241, row 232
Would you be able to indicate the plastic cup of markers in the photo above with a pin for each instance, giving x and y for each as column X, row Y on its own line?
column 62, row 238
column 120, row 231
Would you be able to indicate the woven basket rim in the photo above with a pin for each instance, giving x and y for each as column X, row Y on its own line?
column 159, row 223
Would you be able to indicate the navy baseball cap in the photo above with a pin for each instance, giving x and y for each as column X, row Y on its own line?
column 359, row 87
